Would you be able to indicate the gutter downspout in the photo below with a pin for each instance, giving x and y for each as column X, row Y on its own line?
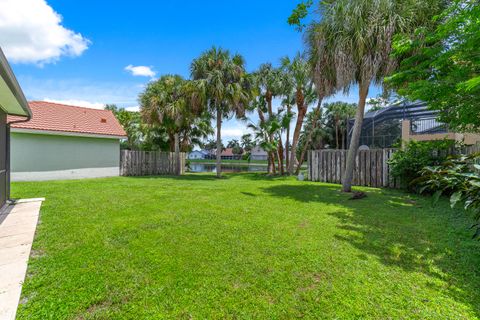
column 7, row 163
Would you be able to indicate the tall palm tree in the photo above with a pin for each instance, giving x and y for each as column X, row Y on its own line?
column 300, row 73
column 288, row 101
column 225, row 85
column 164, row 102
column 321, row 59
column 269, row 81
column 361, row 33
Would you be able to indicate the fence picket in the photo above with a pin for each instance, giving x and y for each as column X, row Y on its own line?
column 142, row 163
column 370, row 169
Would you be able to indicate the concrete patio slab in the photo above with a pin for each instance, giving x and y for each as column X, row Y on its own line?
column 17, row 230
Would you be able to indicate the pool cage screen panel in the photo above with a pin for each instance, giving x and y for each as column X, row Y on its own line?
column 383, row 128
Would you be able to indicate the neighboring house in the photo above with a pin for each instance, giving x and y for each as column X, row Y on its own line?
column 65, row 142
column 427, row 129
column 12, row 102
column 227, row 154
column 197, row 154
column 257, row 153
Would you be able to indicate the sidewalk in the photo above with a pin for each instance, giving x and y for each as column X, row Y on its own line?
column 17, row 229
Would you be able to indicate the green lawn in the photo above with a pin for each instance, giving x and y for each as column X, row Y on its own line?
column 245, row 247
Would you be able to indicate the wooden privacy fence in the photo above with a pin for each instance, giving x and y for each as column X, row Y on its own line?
column 371, row 167
column 145, row 163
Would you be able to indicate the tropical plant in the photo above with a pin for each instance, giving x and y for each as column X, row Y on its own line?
column 131, row 123
column 360, row 33
column 211, row 144
column 236, row 147
column 225, row 85
column 299, row 71
column 246, row 142
column 269, row 82
column 315, row 134
column 196, row 131
column 337, row 114
column 288, row 101
column 440, row 65
column 407, row 163
column 271, row 127
column 165, row 102
column 458, row 178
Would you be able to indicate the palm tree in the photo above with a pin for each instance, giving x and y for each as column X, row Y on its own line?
column 269, row 81
column 338, row 113
column 300, row 72
column 164, row 102
column 225, row 85
column 263, row 131
column 361, row 34
column 246, row 142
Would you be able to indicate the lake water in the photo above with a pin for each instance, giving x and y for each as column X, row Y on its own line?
column 202, row 167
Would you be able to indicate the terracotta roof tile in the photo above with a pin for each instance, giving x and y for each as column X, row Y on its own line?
column 228, row 152
column 50, row 116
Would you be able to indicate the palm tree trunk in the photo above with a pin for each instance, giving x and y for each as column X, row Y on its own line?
column 270, row 136
column 261, row 116
column 219, row 143
column 171, row 141
column 296, row 135
column 177, row 154
column 355, row 140
column 287, row 143
column 280, row 155
column 316, row 117
column 272, row 161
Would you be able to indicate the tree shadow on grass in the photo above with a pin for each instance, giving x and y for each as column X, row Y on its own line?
column 403, row 231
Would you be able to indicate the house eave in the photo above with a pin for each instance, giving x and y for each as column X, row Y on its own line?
column 67, row 133
column 12, row 99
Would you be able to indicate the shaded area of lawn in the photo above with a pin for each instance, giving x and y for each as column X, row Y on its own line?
column 245, row 246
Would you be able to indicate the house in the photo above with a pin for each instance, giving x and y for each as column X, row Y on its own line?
column 197, row 154
column 227, row 154
column 257, row 153
column 12, row 102
column 65, row 142
column 427, row 129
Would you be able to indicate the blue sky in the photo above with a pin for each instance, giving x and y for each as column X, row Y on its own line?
column 101, row 38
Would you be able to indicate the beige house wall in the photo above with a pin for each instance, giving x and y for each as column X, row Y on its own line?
column 466, row 138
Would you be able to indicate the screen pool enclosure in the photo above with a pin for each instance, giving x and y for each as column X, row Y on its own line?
column 383, row 128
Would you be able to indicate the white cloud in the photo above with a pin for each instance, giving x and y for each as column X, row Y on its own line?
column 32, row 32
column 78, row 103
column 133, row 109
column 232, row 132
column 142, row 71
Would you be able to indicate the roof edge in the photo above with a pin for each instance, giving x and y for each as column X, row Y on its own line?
column 67, row 133
column 9, row 77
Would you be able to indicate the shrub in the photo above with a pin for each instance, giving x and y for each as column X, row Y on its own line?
column 458, row 178
column 407, row 163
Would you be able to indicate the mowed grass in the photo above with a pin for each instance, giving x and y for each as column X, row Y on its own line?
column 245, row 247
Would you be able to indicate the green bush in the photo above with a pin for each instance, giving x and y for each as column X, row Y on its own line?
column 407, row 163
column 458, row 178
